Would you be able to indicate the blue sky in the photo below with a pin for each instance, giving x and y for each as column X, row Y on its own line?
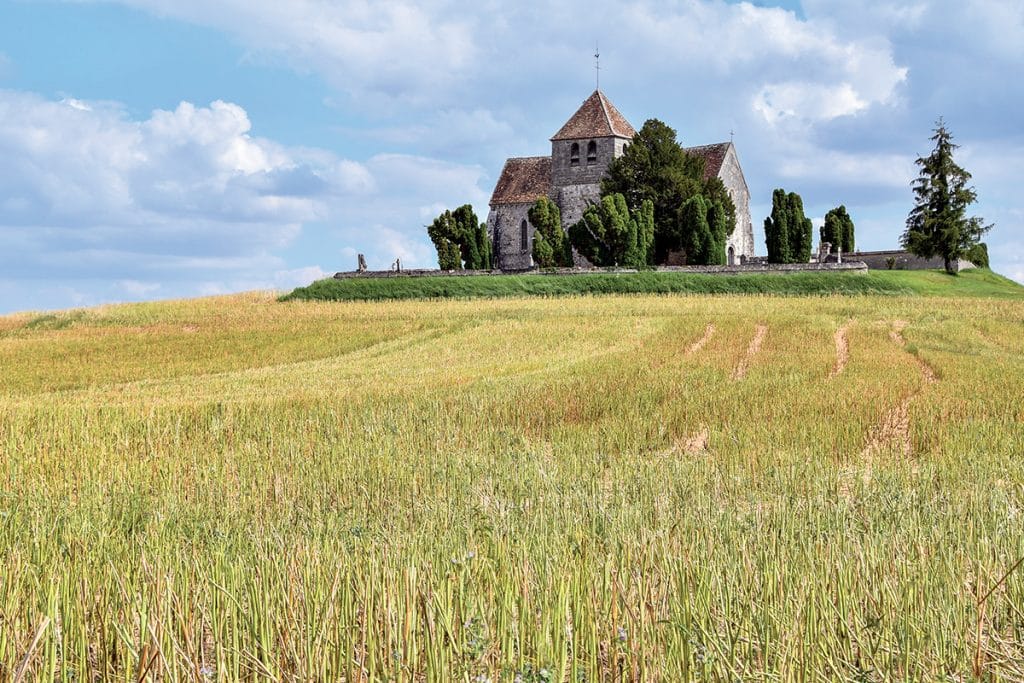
column 171, row 148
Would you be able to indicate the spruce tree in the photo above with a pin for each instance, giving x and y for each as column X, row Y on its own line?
column 938, row 224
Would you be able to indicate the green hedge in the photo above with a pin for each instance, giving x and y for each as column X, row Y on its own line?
column 466, row 287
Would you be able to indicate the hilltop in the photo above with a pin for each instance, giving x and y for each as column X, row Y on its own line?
column 970, row 283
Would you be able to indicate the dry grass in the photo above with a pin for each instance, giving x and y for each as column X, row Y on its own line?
column 465, row 491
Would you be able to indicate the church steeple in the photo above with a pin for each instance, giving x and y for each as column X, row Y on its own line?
column 596, row 118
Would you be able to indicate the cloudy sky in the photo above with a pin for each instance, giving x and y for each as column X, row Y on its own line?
column 166, row 148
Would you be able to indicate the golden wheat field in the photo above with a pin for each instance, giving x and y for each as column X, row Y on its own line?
column 565, row 490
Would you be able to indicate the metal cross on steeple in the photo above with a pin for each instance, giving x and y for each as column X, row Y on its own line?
column 597, row 64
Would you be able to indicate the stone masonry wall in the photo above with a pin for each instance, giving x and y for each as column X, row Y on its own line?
column 573, row 200
column 563, row 173
column 742, row 237
column 504, row 223
column 877, row 260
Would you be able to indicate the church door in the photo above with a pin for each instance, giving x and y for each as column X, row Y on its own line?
column 732, row 256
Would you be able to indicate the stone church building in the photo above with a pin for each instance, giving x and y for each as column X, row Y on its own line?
column 571, row 177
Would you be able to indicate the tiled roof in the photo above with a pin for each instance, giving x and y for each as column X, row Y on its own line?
column 597, row 118
column 713, row 155
column 525, row 179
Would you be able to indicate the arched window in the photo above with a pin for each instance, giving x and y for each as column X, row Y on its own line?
column 574, row 154
column 591, row 152
column 524, row 236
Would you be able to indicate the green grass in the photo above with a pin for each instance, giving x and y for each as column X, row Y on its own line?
column 925, row 283
column 980, row 282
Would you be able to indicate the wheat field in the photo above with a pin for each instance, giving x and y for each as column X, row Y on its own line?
column 584, row 489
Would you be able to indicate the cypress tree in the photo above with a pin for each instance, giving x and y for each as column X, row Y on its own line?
column 448, row 256
column 698, row 241
column 461, row 240
column 801, row 231
column 838, row 230
column 466, row 227
column 645, row 233
column 776, row 229
column 655, row 168
column 718, row 222
column 551, row 246
column 483, row 242
column 788, row 233
column 610, row 234
column 442, row 233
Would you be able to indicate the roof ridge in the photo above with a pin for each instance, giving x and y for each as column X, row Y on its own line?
column 604, row 108
column 712, row 144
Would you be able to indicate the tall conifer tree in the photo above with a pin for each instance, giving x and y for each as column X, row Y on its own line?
column 838, row 230
column 938, row 224
column 551, row 248
column 776, row 229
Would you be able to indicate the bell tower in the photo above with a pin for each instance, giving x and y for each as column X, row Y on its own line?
column 581, row 152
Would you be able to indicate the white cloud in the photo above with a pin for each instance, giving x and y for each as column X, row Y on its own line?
column 437, row 52
column 190, row 195
column 298, row 277
column 850, row 169
column 405, row 50
column 810, row 101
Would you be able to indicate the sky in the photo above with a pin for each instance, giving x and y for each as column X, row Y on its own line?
column 154, row 149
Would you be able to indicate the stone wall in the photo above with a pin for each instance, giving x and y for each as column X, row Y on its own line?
column 904, row 260
column 776, row 268
column 504, row 224
column 573, row 200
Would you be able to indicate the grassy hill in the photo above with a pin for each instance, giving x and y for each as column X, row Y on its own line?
column 971, row 283
column 599, row 488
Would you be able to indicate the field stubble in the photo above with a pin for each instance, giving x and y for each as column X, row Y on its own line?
column 634, row 488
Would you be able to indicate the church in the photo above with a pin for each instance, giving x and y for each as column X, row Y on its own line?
column 571, row 177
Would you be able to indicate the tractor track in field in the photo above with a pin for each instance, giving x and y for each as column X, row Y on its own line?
column 896, row 333
column 842, row 349
column 709, row 332
column 755, row 347
column 894, row 429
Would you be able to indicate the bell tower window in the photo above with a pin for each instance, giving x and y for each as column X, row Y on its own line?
column 591, row 152
column 574, row 154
